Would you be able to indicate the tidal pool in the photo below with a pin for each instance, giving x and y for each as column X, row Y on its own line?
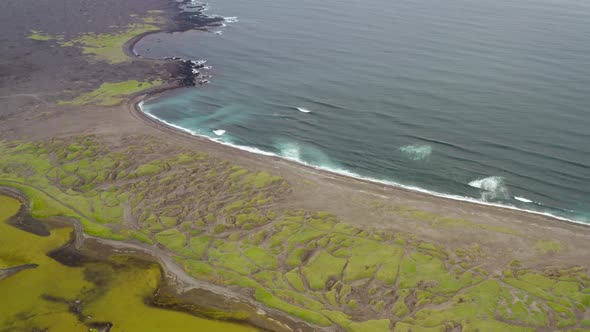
column 93, row 296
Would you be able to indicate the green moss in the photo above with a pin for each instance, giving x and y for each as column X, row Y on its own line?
column 261, row 258
column 235, row 206
column 330, row 264
column 185, row 226
column 141, row 237
column 197, row 269
column 535, row 290
column 219, row 228
column 405, row 327
column 110, row 215
column 110, row 94
column 231, row 260
column 248, row 218
column 381, row 325
column 112, row 291
column 344, row 293
column 173, row 239
column 268, row 299
column 368, row 256
column 400, row 309
column 237, row 173
column 564, row 316
column 319, row 221
column 299, row 299
column 476, row 307
column 321, row 268
column 305, row 235
column 420, row 268
column 108, row 47
column 38, row 35
column 259, row 237
column 337, row 317
column 279, row 238
column 261, row 180
column 42, row 206
column 168, row 221
column 295, row 280
column 226, row 246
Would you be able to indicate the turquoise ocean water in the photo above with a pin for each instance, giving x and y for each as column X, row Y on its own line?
column 477, row 100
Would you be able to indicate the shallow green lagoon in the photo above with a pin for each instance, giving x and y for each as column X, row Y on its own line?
column 46, row 297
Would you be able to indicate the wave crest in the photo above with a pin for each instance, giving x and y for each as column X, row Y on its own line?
column 416, row 152
column 231, row 19
column 523, row 199
column 494, row 187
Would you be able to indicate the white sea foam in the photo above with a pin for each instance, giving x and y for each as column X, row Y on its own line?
column 219, row 132
column 290, row 151
column 351, row 174
column 304, row 110
column 172, row 124
column 218, row 32
column 416, row 152
column 231, row 19
column 522, row 199
column 491, row 183
column 493, row 186
column 242, row 147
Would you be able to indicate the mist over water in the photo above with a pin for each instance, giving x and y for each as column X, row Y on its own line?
column 482, row 99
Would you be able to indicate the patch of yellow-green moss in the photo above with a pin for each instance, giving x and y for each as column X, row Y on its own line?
column 38, row 35
column 223, row 225
column 110, row 94
column 107, row 46
column 40, row 298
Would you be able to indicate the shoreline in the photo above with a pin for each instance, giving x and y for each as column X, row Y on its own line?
column 134, row 106
column 376, row 242
column 136, row 110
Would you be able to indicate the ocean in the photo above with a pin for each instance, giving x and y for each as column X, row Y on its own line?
column 476, row 100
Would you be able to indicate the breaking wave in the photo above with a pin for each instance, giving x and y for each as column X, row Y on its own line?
column 493, row 187
column 219, row 132
column 522, row 199
column 416, row 152
column 231, row 19
column 290, row 151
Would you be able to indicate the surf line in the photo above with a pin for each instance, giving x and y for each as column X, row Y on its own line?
column 352, row 175
column 219, row 132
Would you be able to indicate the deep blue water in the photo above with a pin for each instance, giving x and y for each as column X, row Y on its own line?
column 482, row 99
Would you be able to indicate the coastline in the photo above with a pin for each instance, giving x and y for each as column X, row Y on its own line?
column 134, row 106
column 502, row 234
